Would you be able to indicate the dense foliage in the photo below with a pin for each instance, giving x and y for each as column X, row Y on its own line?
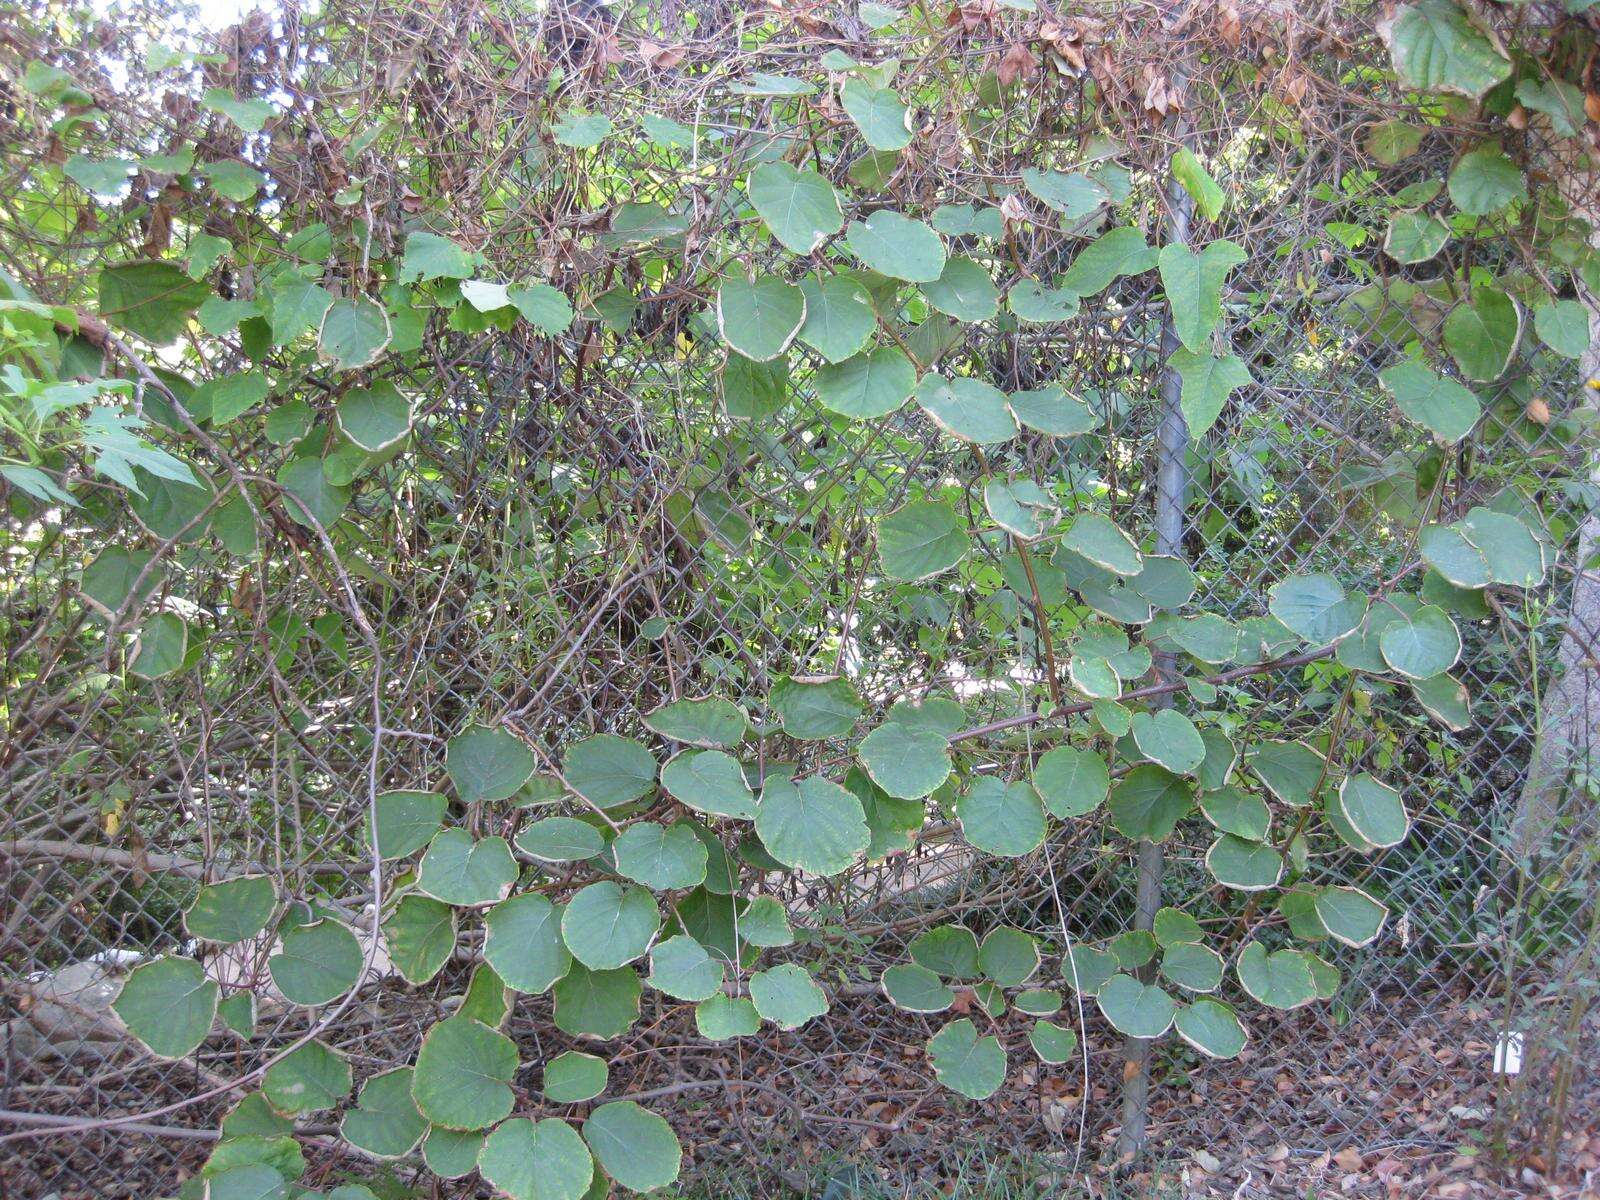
column 267, row 371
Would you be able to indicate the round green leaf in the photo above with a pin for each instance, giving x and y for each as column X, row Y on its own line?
column 1174, row 927
column 1170, row 739
column 1212, row 1028
column 787, row 996
column 1446, row 549
column 573, row 1077
column 375, row 418
column 897, row 246
column 1414, row 237
column 709, row 781
column 1071, row 782
column 487, row 763
column 1099, row 539
column 1280, row 980
column 421, row 936
column 765, row 923
column 1148, row 802
column 905, row 761
column 160, row 648
column 385, row 1120
column 813, row 708
column 1052, row 1043
column 1072, row 195
column 1050, row 411
column 1136, row 1009
column 760, row 318
column 466, row 873
column 636, row 1147
column 168, row 1004
column 451, row 1153
column 1001, row 818
column 522, row 942
column 681, row 967
column 800, row 207
column 913, row 988
column 966, row 408
column 1291, row 770
column 462, row 1074
column 610, row 771
column 1192, row 966
column 599, row 1004
column 232, row 910
column 316, row 963
column 1424, row 644
column 406, row 821
column 1242, row 865
column 813, row 825
column 710, row 723
column 1515, row 556
column 866, row 386
column 660, row 858
column 723, row 1017
column 561, row 840
column 546, row 1160
column 1442, row 406
column 1436, row 46
column 1482, row 333
column 1238, row 812
column 606, row 925
column 1316, row 608
column 1008, row 956
column 947, row 950
column 1350, row 915
column 839, row 317
column 920, row 540
column 880, row 114
column 353, row 333
column 1021, row 507
column 308, row 1079
column 965, row 1063
column 964, row 291
column 1563, row 325
column 1373, row 811
column 1484, row 181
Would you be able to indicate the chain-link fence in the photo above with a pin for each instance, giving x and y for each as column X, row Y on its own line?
column 586, row 527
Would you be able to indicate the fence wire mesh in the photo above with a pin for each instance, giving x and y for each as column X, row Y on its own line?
column 582, row 530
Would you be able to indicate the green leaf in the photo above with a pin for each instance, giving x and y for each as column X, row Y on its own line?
column 1446, row 700
column 1208, row 381
column 1484, row 181
column 607, row 926
column 466, row 873
column 1316, row 608
column 573, row 1077
column 905, row 761
column 661, row 858
column 964, row 291
column 429, row 256
column 1117, row 252
column 711, row 722
column 1197, row 181
column 1291, row 770
column 487, row 763
column 815, row 707
column 523, row 943
column 724, row 1017
column 463, row 1073
column 1194, row 288
column 1029, row 300
column 601, row 1004
column 1100, row 540
column 800, row 207
column 880, row 114
column 813, row 825
column 868, row 385
column 233, row 180
column 787, row 996
column 1021, row 507
column 1442, row 406
column 160, row 647
column 711, row 782
column 541, row 306
column 451, row 1153
column 406, row 821
column 1436, row 47
column 1173, row 927
column 1212, row 1028
column 153, row 300
column 560, row 840
column 1049, row 410
column 897, row 246
column 1482, row 334
column 104, row 179
column 1373, row 811
column 1243, row 865
column 252, row 1181
column 375, row 418
column 250, row 115
column 316, row 963
column 1279, row 980
column 385, row 1120
column 1350, row 916
column 310, row 1078
column 353, row 333
column 1563, row 325
column 610, row 771
column 965, row 1063
column 1422, row 644
column 966, row 408
column 1237, row 812
column 1414, row 237
column 1071, row 782
column 948, row 950
column 231, row 911
column 637, row 1148
column 1392, row 142
column 1170, row 739
column 544, row 1160
column 1001, row 818
column 1557, row 99
column 1148, row 802
column 920, row 540
column 1072, row 195
column 168, row 1004
column 760, row 317
column 683, row 969
column 1008, row 956
column 581, row 130
column 1052, row 1043
column 238, row 1013
column 913, row 988
column 1514, row 555
column 839, row 317
column 1136, row 1009
column 421, row 935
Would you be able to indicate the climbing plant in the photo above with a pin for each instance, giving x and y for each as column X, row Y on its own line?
column 249, row 379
